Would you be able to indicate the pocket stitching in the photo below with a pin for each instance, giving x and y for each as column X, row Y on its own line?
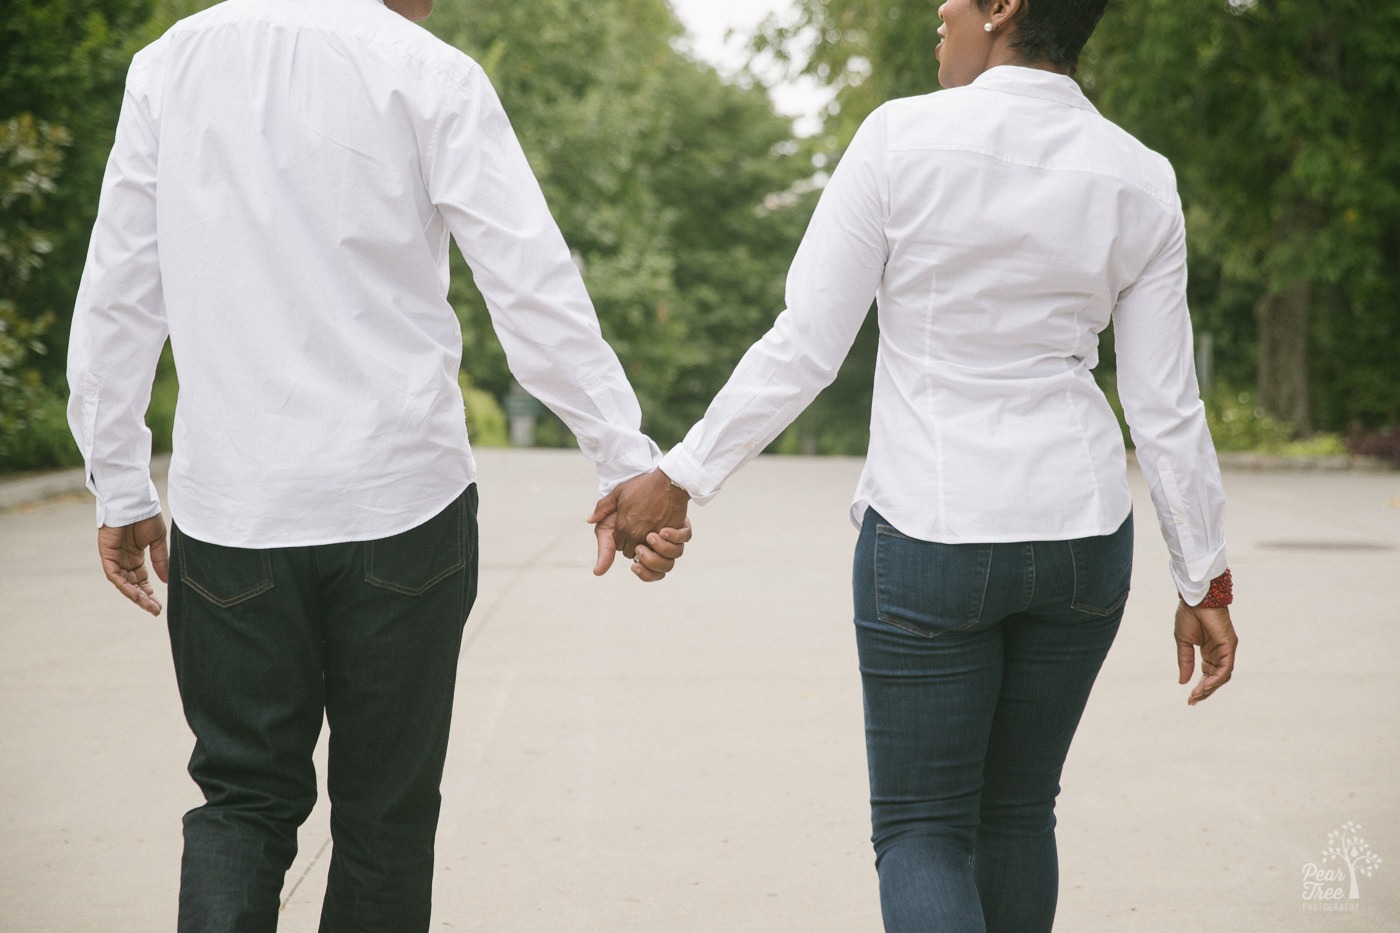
column 461, row 562
column 890, row 531
column 1079, row 606
column 227, row 602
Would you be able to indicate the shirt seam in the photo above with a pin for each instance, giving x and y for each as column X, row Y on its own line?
column 457, row 75
column 1167, row 202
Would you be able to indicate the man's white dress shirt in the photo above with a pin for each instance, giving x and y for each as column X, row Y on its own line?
column 279, row 200
column 1000, row 227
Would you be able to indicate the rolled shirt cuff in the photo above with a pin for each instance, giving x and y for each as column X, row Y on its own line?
column 639, row 457
column 688, row 474
column 1192, row 590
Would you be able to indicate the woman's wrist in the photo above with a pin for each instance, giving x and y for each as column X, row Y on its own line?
column 1220, row 595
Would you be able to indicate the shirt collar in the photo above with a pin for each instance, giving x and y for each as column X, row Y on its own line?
column 1034, row 82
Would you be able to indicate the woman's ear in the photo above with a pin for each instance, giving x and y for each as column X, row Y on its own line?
column 1004, row 12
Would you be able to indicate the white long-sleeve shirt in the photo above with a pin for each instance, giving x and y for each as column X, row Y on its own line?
column 999, row 227
column 279, row 200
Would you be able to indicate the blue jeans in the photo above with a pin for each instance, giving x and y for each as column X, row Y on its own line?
column 976, row 662
column 266, row 643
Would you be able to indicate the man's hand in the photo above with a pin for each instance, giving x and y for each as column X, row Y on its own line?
column 645, row 519
column 123, row 554
column 1212, row 631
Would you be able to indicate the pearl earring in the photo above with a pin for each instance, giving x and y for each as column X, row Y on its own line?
column 989, row 27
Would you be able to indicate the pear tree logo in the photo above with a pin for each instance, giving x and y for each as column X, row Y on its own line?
column 1335, row 883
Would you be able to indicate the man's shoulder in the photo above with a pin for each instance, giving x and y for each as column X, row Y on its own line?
column 366, row 26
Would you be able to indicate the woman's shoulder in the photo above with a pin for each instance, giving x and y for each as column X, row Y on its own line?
column 1123, row 148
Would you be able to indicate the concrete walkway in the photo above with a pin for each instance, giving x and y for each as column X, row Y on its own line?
column 688, row 756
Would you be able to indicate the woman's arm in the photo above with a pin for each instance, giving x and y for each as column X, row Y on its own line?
column 830, row 287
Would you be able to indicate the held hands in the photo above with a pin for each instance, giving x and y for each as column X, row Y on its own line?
column 123, row 554
column 1212, row 631
column 644, row 518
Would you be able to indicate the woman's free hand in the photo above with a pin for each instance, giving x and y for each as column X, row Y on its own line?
column 1212, row 632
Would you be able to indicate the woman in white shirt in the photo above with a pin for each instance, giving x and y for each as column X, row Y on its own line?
column 1000, row 226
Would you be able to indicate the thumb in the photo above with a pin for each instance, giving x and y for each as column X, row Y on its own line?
column 160, row 559
column 607, row 549
column 1185, row 660
column 605, row 507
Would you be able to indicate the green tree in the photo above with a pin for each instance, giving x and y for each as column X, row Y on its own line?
column 30, row 158
column 680, row 193
column 64, row 62
column 672, row 186
column 1271, row 113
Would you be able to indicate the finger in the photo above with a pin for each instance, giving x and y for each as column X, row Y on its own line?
column 646, row 575
column 664, row 547
column 605, row 507
column 678, row 535
column 1217, row 672
column 148, row 603
column 607, row 550
column 160, row 559
column 1185, row 660
column 653, row 561
column 139, row 595
column 1208, row 686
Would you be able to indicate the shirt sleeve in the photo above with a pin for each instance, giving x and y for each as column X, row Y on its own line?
column 119, row 328
column 830, row 286
column 1162, row 404
column 481, row 181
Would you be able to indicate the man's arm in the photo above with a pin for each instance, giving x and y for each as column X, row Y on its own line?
column 118, row 331
column 479, row 178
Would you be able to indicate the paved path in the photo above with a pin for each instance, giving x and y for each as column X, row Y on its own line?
column 688, row 756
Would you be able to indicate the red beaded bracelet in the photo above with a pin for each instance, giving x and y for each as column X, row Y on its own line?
column 1220, row 594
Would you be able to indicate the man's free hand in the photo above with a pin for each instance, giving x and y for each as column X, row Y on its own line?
column 1211, row 631
column 645, row 519
column 122, row 551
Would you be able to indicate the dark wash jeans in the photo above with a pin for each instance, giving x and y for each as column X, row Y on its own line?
column 265, row 643
column 976, row 662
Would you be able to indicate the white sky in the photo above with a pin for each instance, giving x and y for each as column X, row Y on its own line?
column 708, row 21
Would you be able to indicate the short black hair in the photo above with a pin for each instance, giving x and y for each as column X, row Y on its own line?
column 1054, row 30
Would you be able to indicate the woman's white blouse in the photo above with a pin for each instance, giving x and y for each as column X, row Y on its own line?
column 999, row 227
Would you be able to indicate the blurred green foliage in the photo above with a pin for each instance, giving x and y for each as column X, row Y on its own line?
column 30, row 160
column 676, row 190
column 684, row 196
column 486, row 420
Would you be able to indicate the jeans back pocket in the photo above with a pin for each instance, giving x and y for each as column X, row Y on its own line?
column 225, row 576
column 416, row 560
column 927, row 588
column 1103, row 570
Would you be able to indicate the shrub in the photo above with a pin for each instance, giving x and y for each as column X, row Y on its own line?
column 486, row 420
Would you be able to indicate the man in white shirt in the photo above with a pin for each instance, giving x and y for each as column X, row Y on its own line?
column 279, row 201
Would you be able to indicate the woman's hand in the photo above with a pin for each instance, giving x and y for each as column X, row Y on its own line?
column 658, row 556
column 1211, row 631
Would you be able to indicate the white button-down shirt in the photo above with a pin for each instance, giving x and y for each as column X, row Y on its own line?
column 1000, row 227
column 279, row 200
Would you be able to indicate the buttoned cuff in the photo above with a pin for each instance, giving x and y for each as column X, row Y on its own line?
column 124, row 509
